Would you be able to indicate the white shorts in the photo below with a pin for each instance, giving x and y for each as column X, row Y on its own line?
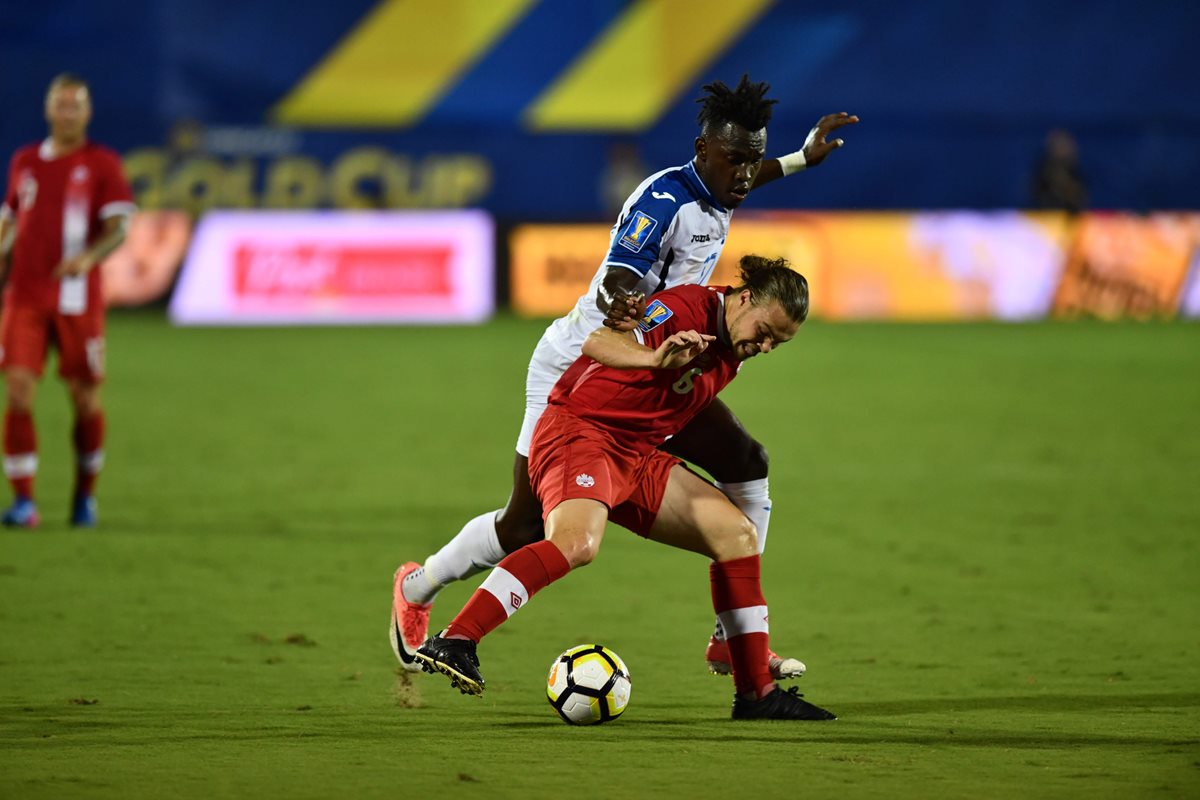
column 546, row 366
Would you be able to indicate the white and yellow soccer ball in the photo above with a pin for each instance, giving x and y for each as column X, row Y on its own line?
column 588, row 684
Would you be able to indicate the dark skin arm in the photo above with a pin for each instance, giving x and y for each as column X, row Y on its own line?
column 617, row 299
column 816, row 148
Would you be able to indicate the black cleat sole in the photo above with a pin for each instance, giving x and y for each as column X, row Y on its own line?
column 457, row 679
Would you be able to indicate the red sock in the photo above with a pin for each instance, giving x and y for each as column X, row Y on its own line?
column 89, row 452
column 509, row 586
column 20, row 451
column 738, row 601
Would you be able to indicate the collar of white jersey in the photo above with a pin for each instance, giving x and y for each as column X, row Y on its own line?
column 693, row 177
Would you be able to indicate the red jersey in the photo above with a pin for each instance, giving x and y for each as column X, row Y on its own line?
column 645, row 407
column 60, row 205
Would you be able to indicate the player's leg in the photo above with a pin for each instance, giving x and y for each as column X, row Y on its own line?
column 81, row 366
column 574, row 529
column 87, row 437
column 485, row 539
column 693, row 515
column 475, row 548
column 23, row 342
column 716, row 441
column 579, row 473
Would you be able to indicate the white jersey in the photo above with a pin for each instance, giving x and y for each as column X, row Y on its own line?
column 670, row 232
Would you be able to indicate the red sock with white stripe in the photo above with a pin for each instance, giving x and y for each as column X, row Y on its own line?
column 89, row 452
column 508, row 588
column 738, row 600
column 20, row 451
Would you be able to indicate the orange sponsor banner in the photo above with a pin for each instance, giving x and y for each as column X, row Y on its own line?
column 550, row 266
column 1123, row 265
column 925, row 266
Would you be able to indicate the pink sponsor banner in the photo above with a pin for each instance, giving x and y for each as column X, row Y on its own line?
column 351, row 267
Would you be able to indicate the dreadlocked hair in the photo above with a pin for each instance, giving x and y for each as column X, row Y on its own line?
column 774, row 279
column 744, row 106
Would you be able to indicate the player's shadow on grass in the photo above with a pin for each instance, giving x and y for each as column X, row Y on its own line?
column 1039, row 703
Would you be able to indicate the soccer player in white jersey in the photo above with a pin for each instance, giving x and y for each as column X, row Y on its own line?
column 670, row 232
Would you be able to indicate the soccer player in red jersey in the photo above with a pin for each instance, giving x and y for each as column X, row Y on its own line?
column 67, row 207
column 671, row 231
column 595, row 457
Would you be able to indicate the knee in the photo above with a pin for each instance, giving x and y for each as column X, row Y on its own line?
column 20, row 390
column 748, row 463
column 757, row 461
column 86, row 399
column 580, row 548
column 517, row 530
column 740, row 542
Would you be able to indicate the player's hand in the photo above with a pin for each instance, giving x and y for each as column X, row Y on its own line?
column 624, row 311
column 680, row 348
column 816, row 148
column 70, row 267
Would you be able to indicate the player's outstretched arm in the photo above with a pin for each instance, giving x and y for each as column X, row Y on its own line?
column 816, row 148
column 623, row 351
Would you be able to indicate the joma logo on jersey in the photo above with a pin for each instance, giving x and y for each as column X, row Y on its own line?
column 656, row 314
column 700, row 237
column 637, row 231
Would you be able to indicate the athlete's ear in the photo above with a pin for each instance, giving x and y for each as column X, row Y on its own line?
column 744, row 298
column 701, row 149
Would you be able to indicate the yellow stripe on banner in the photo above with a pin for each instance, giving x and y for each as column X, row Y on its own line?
column 634, row 71
column 393, row 67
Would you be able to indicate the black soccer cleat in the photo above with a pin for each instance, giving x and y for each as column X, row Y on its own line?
column 454, row 658
column 779, row 705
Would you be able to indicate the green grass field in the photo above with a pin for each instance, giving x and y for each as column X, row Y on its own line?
column 984, row 545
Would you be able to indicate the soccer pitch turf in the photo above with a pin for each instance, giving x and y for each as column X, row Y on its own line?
column 984, row 546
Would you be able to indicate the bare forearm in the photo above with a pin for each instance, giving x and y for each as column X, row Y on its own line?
column 618, row 350
column 7, row 237
column 616, row 281
column 111, row 240
column 622, row 351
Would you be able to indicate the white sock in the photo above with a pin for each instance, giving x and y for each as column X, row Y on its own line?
column 475, row 548
column 754, row 500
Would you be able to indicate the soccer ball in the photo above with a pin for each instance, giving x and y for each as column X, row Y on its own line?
column 588, row 684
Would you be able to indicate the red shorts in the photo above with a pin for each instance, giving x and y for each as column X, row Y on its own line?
column 26, row 332
column 570, row 457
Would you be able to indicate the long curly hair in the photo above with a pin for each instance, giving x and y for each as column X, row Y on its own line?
column 774, row 279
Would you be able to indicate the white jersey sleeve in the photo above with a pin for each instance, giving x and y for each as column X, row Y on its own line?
column 670, row 232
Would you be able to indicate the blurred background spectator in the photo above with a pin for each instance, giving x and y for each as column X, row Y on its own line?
column 1058, row 182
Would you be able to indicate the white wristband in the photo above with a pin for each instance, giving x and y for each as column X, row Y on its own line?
column 793, row 162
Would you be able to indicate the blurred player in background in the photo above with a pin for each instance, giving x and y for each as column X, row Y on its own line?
column 594, row 457
column 66, row 208
column 670, row 232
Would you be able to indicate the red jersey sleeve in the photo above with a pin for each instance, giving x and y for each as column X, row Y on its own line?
column 113, row 195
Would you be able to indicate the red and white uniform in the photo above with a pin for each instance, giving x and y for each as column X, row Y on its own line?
column 59, row 204
column 598, row 437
